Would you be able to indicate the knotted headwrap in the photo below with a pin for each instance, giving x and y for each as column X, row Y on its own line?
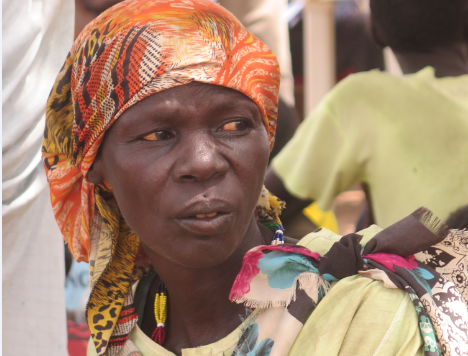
column 133, row 50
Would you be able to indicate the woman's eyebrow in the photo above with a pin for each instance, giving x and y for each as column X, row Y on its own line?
column 228, row 103
column 159, row 112
column 143, row 120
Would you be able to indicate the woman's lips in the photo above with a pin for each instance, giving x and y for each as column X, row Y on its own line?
column 202, row 216
column 206, row 216
column 207, row 224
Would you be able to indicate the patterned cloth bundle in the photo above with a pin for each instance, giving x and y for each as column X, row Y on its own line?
column 418, row 254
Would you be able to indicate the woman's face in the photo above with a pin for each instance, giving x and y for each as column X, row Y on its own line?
column 186, row 166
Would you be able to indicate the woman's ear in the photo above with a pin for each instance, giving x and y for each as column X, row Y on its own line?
column 95, row 172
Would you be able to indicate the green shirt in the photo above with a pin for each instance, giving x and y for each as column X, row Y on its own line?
column 358, row 316
column 406, row 137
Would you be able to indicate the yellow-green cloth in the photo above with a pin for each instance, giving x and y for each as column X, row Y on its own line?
column 358, row 316
column 406, row 137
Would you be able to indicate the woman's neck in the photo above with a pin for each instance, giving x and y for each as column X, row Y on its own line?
column 447, row 61
column 200, row 312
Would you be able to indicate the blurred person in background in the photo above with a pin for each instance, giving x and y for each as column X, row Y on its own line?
column 37, row 36
column 403, row 137
column 356, row 51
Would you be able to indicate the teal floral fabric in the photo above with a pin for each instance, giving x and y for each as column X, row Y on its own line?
column 249, row 344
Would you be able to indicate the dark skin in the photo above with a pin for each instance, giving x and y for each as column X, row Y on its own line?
column 447, row 61
column 186, row 166
column 450, row 61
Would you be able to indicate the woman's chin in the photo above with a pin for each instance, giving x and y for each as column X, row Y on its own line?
column 201, row 253
column 208, row 258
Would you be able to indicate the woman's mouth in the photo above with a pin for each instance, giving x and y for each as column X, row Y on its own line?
column 203, row 216
column 213, row 223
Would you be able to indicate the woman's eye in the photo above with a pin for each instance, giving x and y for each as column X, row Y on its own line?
column 158, row 136
column 234, row 126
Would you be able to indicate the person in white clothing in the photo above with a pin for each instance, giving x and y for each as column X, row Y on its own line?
column 37, row 36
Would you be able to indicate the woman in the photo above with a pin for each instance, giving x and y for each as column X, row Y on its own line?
column 159, row 128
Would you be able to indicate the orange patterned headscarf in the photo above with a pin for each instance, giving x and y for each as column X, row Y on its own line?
column 133, row 50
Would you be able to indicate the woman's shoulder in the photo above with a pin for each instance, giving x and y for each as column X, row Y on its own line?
column 358, row 314
column 322, row 239
column 362, row 317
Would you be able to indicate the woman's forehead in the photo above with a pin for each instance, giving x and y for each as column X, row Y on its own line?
column 199, row 89
column 213, row 97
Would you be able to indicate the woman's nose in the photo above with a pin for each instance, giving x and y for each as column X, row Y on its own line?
column 200, row 160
